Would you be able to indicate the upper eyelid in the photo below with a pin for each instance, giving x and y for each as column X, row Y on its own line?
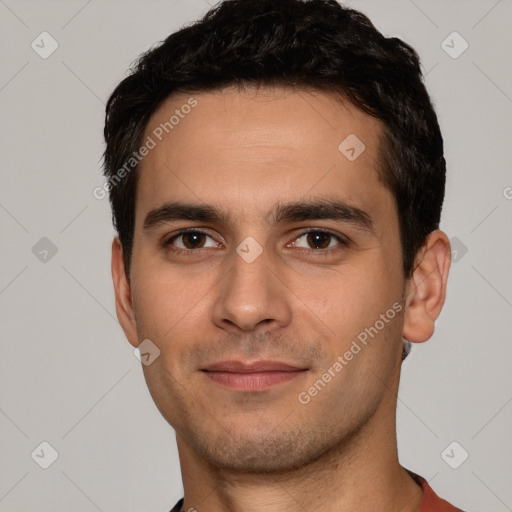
column 184, row 231
column 181, row 232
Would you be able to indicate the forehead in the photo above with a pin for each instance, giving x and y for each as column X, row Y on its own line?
column 254, row 148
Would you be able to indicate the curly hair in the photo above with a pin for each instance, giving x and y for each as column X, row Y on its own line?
column 309, row 44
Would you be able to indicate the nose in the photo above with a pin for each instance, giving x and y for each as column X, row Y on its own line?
column 252, row 296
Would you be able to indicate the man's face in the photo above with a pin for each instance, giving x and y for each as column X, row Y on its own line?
column 236, row 299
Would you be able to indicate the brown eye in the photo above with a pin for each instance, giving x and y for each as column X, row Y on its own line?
column 190, row 240
column 319, row 240
column 193, row 240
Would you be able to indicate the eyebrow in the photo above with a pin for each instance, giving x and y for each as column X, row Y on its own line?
column 321, row 209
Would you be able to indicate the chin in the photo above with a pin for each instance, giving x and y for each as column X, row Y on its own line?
column 269, row 452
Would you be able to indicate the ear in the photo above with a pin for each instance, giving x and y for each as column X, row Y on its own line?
column 124, row 308
column 426, row 289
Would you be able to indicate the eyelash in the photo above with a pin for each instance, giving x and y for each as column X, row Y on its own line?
column 319, row 252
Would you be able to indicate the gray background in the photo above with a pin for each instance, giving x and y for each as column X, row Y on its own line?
column 67, row 374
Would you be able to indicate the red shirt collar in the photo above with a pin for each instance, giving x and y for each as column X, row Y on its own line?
column 431, row 501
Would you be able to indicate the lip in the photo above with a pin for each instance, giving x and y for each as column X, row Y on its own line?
column 255, row 366
column 254, row 376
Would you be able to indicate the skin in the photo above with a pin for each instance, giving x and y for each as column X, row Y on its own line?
column 243, row 152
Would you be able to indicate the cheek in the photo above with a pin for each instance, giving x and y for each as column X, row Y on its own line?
column 166, row 302
column 356, row 298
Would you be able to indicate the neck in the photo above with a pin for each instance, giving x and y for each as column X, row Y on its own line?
column 363, row 473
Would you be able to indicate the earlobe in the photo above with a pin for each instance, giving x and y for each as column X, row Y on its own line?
column 426, row 290
column 124, row 307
